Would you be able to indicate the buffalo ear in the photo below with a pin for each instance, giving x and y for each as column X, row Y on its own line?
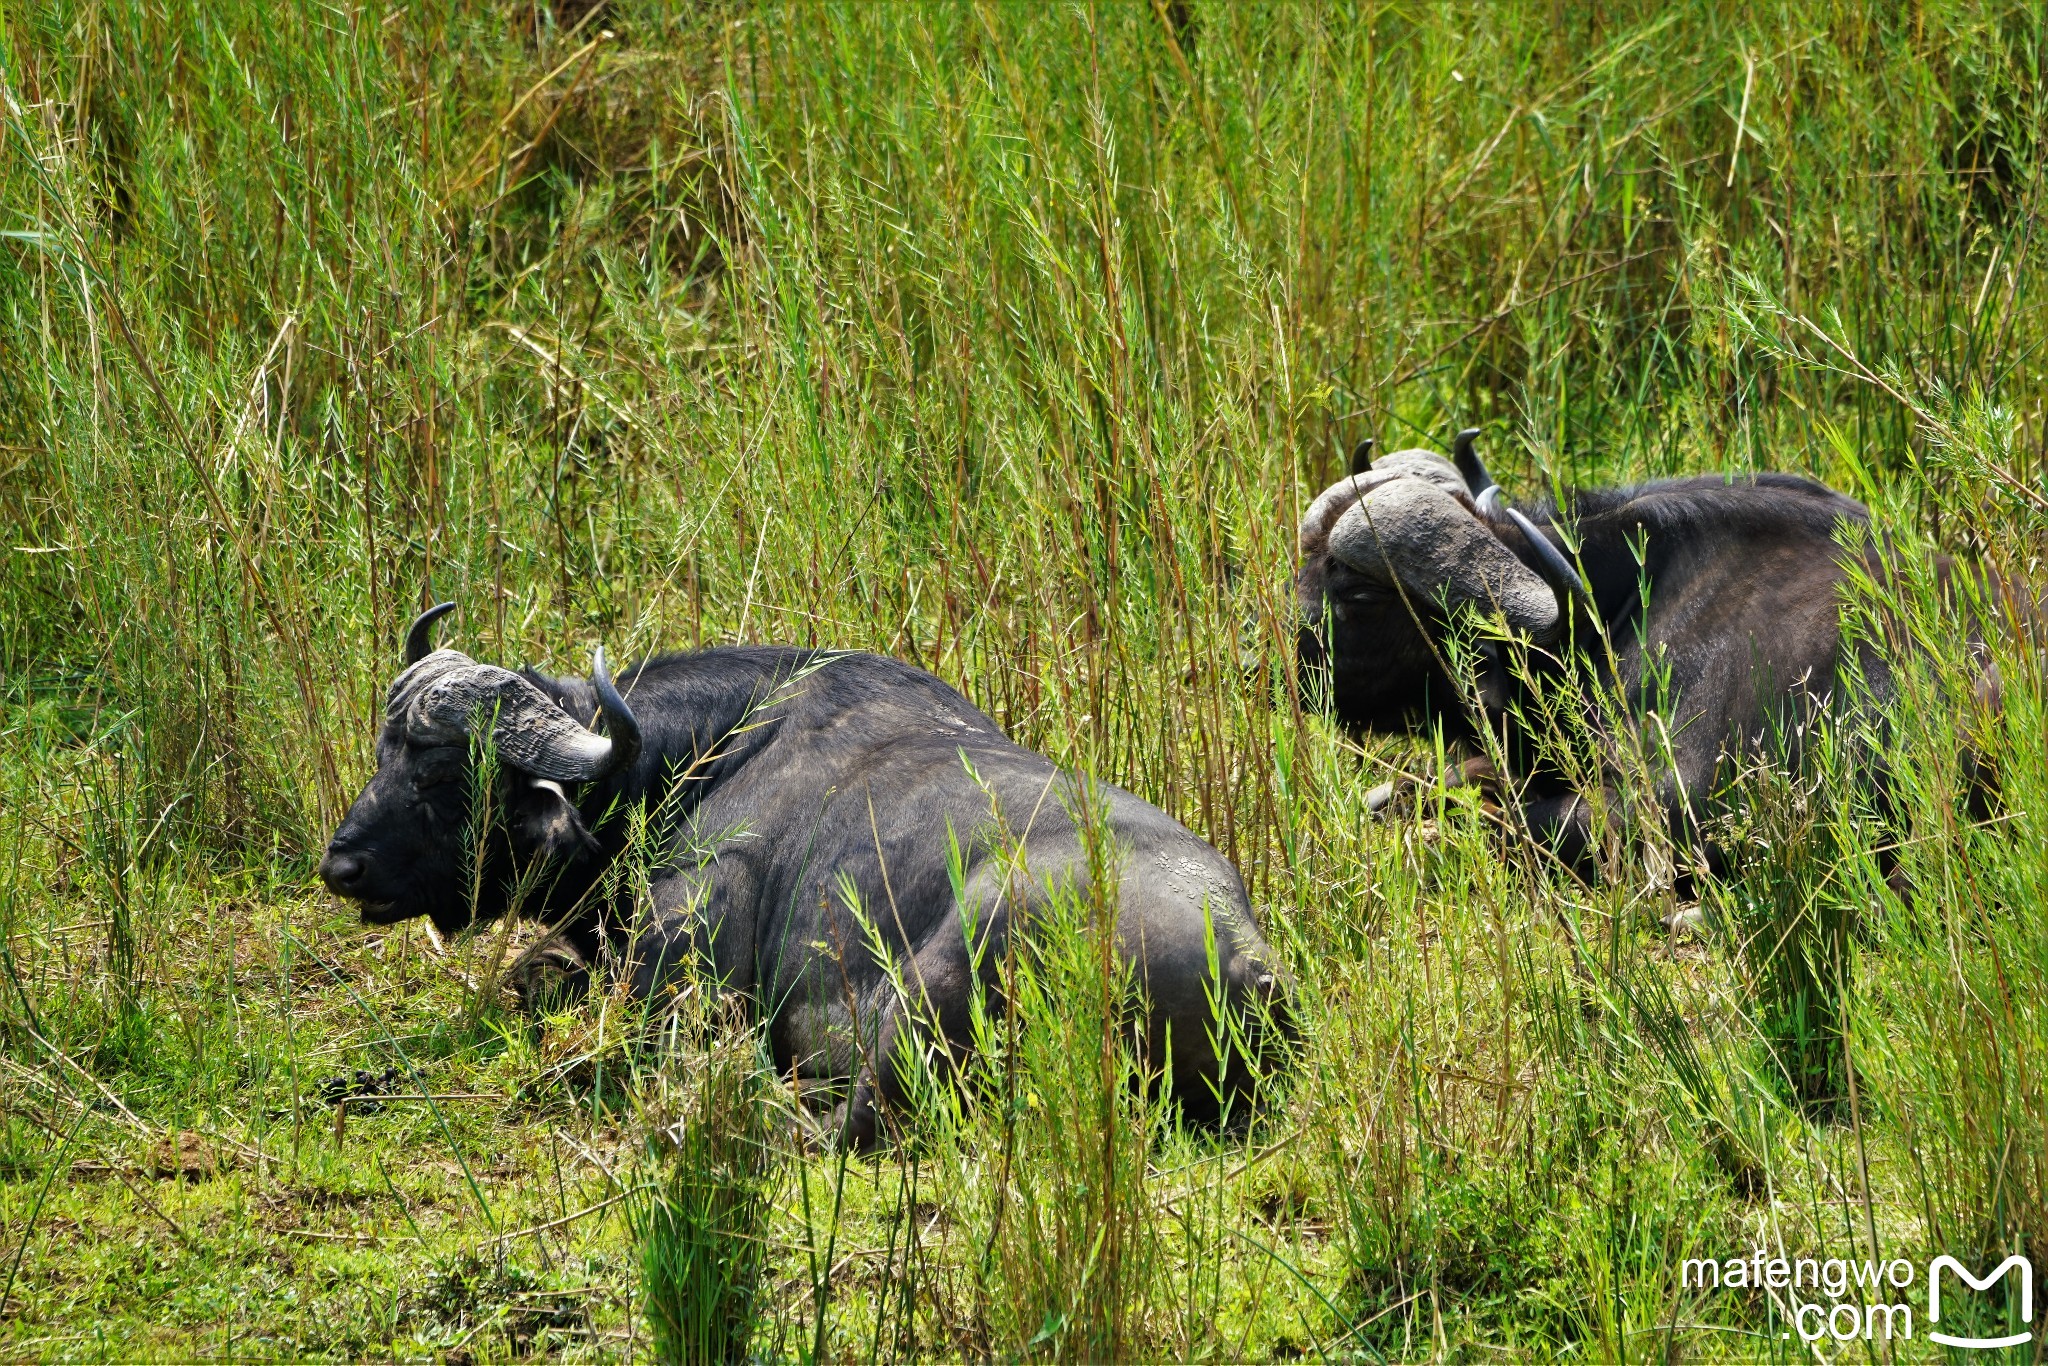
column 547, row 825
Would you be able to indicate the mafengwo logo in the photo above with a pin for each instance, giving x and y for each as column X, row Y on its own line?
column 2012, row 1263
column 1849, row 1287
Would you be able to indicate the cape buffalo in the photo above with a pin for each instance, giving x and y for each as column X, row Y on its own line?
column 1718, row 602
column 800, row 805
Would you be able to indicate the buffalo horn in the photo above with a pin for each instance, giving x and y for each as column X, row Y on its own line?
column 1416, row 533
column 1556, row 570
column 1361, row 456
column 419, row 638
column 1477, row 480
column 440, row 699
column 618, row 717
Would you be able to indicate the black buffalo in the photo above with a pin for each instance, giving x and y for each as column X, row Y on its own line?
column 782, row 789
column 1712, row 603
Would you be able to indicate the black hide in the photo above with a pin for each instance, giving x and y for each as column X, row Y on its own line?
column 1721, row 598
column 772, row 778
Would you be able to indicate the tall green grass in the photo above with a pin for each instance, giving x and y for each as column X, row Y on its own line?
column 1008, row 339
column 703, row 1230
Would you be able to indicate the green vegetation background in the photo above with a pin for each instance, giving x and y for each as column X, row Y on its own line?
column 1009, row 340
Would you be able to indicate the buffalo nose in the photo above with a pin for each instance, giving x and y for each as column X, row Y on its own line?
column 341, row 872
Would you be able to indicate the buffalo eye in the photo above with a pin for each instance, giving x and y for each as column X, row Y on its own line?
column 1355, row 596
column 1361, row 589
column 1342, row 581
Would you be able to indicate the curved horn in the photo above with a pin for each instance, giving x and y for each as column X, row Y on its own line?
column 618, row 717
column 532, row 733
column 1467, row 460
column 1416, row 533
column 1557, row 571
column 419, row 637
column 1361, row 456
